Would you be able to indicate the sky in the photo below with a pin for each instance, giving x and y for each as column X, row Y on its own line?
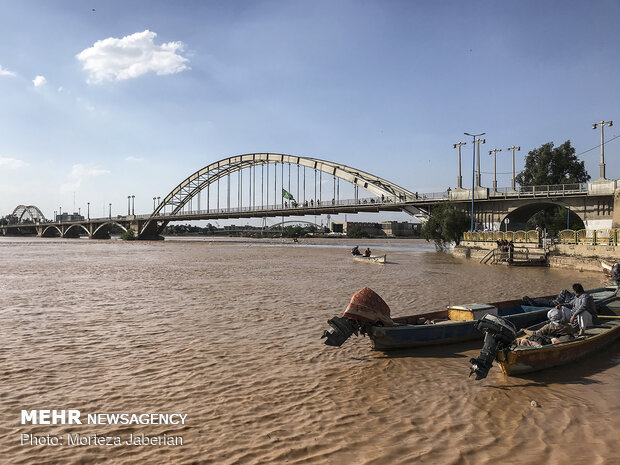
column 104, row 99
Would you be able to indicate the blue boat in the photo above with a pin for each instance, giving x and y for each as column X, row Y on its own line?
column 455, row 324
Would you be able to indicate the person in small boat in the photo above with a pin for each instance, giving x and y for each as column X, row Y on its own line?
column 558, row 325
column 367, row 252
column 583, row 309
column 356, row 250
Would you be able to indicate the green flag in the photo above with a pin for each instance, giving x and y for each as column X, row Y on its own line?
column 287, row 195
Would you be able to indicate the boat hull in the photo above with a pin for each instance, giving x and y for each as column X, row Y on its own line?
column 606, row 266
column 381, row 259
column 406, row 336
column 527, row 360
column 409, row 336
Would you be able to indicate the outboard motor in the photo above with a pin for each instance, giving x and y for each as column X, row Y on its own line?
column 499, row 334
column 366, row 308
column 341, row 329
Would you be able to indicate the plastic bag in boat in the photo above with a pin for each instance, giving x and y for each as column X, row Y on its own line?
column 367, row 305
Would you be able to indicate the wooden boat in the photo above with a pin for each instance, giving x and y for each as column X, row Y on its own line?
column 373, row 259
column 518, row 359
column 607, row 266
column 457, row 323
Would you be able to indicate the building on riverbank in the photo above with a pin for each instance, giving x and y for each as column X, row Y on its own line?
column 381, row 229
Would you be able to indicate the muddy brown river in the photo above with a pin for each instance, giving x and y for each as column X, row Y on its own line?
column 227, row 333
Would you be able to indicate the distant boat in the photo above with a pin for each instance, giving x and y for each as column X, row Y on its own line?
column 372, row 258
column 521, row 359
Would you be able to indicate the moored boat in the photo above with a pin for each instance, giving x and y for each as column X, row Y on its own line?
column 607, row 267
column 519, row 358
column 454, row 324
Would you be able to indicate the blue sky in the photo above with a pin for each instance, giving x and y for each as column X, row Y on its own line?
column 103, row 99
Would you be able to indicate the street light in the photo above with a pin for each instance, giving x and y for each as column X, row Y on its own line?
column 110, row 212
column 473, row 168
column 513, row 148
column 154, row 203
column 459, row 179
column 88, row 210
column 602, row 125
column 494, row 152
column 133, row 205
column 478, row 176
column 128, row 205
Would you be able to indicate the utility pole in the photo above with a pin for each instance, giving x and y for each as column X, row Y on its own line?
column 602, row 125
column 513, row 148
column 494, row 152
column 478, row 178
column 459, row 179
column 473, row 160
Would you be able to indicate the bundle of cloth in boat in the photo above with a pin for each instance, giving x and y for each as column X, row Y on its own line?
column 562, row 298
column 367, row 305
column 615, row 273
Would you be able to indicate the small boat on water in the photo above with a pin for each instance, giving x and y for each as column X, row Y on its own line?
column 607, row 266
column 369, row 315
column 381, row 259
column 516, row 357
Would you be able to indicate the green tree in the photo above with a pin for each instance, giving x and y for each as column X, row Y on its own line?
column 554, row 219
column 128, row 235
column 356, row 232
column 445, row 224
column 549, row 165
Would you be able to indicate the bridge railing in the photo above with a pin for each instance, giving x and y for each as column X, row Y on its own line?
column 610, row 237
column 541, row 191
column 289, row 206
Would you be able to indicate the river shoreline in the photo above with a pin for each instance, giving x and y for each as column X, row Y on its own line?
column 571, row 256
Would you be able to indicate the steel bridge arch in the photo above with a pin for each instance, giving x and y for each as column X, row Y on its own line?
column 282, row 223
column 31, row 211
column 196, row 182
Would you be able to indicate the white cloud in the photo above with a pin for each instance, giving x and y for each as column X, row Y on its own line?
column 12, row 163
column 39, row 81
column 134, row 159
column 79, row 173
column 6, row 72
column 115, row 59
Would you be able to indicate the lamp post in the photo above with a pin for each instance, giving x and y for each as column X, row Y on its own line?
column 478, row 176
column 494, row 152
column 473, row 168
column 602, row 125
column 128, row 205
column 513, row 148
column 459, row 179
column 133, row 205
column 88, row 210
column 154, row 203
column 110, row 211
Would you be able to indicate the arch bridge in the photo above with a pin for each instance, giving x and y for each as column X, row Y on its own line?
column 273, row 184
column 261, row 185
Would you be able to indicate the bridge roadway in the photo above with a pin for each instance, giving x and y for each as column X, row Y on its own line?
column 418, row 205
